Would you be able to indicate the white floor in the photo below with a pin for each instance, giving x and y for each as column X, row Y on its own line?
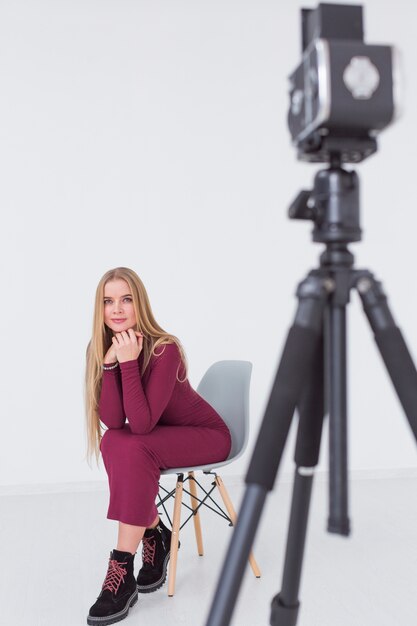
column 55, row 549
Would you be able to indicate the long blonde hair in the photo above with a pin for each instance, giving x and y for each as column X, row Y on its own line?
column 101, row 340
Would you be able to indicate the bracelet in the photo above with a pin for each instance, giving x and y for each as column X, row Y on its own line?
column 111, row 366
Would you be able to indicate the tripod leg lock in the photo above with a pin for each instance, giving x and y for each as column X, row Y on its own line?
column 312, row 294
column 374, row 301
column 282, row 615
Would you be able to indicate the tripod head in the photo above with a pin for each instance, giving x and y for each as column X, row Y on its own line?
column 333, row 206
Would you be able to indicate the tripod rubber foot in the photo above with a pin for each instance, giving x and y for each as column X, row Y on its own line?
column 338, row 526
column 282, row 615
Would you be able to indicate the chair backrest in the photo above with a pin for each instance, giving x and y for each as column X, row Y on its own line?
column 225, row 386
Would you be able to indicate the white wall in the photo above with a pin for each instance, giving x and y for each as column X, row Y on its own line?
column 153, row 135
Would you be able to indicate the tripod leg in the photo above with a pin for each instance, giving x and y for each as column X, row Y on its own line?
column 296, row 362
column 285, row 605
column 391, row 344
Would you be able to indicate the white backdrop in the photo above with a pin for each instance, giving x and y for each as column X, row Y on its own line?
column 152, row 134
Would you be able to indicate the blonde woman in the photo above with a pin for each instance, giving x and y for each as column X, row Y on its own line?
column 136, row 385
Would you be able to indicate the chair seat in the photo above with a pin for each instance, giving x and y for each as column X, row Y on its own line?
column 193, row 468
column 202, row 468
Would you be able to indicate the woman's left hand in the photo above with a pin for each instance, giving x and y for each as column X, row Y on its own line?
column 128, row 345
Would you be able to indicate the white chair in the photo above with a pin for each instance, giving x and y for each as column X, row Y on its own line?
column 225, row 386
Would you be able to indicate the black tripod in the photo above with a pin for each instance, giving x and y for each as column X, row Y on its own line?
column 311, row 376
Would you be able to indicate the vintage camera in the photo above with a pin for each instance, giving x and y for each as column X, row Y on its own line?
column 344, row 91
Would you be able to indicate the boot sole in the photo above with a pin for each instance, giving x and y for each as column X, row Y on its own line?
column 112, row 619
column 158, row 584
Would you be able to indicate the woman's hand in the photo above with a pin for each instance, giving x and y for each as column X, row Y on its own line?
column 127, row 345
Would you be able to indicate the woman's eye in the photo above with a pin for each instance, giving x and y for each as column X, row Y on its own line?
column 127, row 298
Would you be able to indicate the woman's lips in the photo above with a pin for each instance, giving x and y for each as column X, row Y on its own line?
column 118, row 321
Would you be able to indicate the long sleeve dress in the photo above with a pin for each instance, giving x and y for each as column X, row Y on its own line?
column 153, row 422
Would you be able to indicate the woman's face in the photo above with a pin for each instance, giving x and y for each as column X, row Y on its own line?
column 118, row 305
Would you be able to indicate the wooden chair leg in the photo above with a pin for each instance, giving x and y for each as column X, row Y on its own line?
column 232, row 514
column 175, row 536
column 196, row 516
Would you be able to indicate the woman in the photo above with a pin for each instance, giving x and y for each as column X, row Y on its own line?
column 136, row 384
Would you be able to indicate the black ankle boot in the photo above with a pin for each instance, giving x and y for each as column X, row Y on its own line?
column 155, row 557
column 118, row 592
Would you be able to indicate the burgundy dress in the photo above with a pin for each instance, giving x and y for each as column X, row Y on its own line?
column 169, row 425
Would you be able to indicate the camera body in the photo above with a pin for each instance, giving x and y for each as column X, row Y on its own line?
column 342, row 93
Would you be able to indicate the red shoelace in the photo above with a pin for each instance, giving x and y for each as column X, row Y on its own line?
column 115, row 575
column 148, row 552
